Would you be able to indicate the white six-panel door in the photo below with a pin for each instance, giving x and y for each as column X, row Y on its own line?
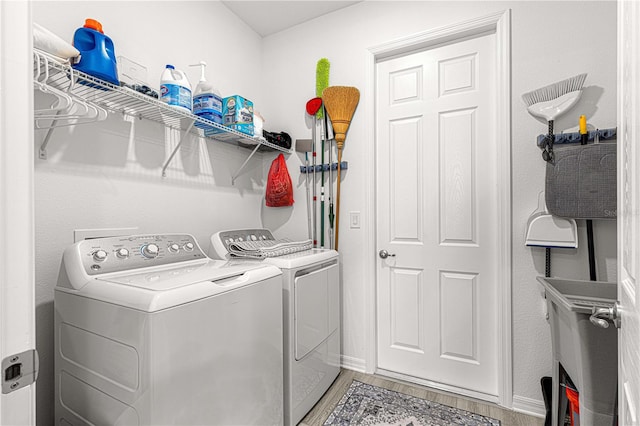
column 436, row 212
column 628, row 212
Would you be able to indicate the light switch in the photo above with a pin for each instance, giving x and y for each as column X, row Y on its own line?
column 354, row 220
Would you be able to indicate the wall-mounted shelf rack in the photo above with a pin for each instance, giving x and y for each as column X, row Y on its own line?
column 83, row 98
column 600, row 135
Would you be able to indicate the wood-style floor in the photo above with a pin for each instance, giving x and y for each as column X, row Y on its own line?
column 319, row 413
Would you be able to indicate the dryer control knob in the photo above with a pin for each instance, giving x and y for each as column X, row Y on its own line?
column 174, row 248
column 188, row 247
column 122, row 253
column 150, row 251
column 99, row 255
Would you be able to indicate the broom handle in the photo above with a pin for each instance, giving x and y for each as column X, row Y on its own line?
column 326, row 134
column 338, row 196
column 313, row 144
column 308, row 188
column 322, row 190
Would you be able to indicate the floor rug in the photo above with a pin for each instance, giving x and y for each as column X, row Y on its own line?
column 365, row 404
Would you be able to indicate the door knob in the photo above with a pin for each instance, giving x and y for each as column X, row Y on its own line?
column 384, row 254
column 600, row 316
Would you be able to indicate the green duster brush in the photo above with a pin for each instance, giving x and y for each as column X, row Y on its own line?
column 322, row 82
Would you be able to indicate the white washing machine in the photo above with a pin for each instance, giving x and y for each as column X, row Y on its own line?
column 311, row 317
column 150, row 331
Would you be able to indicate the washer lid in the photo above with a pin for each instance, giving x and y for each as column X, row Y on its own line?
column 157, row 279
column 160, row 288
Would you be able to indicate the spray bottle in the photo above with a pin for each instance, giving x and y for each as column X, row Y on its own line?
column 207, row 102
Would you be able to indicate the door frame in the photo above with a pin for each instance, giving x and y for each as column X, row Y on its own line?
column 500, row 23
column 17, row 277
column 628, row 101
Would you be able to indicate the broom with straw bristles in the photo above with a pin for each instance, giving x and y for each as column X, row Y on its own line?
column 340, row 103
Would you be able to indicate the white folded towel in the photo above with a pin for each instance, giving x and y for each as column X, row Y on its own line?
column 45, row 40
column 269, row 248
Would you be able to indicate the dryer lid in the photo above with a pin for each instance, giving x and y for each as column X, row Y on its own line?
column 302, row 259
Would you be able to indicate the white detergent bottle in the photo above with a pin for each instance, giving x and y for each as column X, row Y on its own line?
column 175, row 89
column 207, row 102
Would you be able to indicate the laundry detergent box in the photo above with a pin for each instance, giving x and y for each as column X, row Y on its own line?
column 237, row 114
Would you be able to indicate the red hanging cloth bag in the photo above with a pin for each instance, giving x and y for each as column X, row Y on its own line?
column 279, row 187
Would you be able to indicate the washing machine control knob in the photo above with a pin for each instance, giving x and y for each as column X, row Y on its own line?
column 99, row 255
column 150, row 251
column 174, row 248
column 122, row 253
column 188, row 246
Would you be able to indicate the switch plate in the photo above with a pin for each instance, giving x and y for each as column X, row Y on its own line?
column 354, row 220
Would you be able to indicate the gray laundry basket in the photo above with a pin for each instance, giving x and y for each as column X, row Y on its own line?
column 581, row 182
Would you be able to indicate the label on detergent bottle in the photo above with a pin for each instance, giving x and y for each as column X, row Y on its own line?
column 208, row 106
column 176, row 95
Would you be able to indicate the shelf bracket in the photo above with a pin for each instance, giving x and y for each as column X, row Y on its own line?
column 43, row 148
column 237, row 173
column 175, row 150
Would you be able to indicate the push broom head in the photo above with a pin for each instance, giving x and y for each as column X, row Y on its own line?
column 552, row 101
column 340, row 103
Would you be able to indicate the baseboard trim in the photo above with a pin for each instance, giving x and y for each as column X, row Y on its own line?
column 440, row 386
column 530, row 406
column 355, row 364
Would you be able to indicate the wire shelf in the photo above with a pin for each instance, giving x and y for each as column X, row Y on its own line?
column 61, row 76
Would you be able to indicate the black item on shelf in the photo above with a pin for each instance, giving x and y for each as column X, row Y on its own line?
column 141, row 88
column 281, row 139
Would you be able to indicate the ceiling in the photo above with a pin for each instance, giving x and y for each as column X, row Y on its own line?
column 269, row 17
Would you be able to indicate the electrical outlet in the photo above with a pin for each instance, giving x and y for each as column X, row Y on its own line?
column 354, row 220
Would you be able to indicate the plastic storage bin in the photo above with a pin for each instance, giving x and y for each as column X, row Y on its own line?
column 587, row 353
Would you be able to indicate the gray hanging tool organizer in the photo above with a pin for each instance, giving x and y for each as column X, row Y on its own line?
column 574, row 138
column 581, row 181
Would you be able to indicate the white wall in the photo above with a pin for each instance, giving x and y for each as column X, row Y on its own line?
column 551, row 41
column 108, row 175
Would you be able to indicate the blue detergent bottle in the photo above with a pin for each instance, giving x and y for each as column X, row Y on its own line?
column 97, row 55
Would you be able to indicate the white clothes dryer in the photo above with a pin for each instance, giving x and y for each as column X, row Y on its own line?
column 149, row 330
column 311, row 316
